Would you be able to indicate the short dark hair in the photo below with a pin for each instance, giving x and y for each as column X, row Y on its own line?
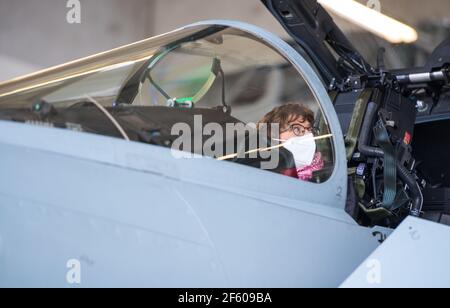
column 287, row 113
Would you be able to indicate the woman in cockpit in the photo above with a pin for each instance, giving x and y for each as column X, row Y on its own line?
column 296, row 123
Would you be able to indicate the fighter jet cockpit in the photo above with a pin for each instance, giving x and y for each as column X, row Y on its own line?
column 200, row 90
column 221, row 155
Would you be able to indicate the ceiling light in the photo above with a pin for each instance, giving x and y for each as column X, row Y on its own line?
column 384, row 26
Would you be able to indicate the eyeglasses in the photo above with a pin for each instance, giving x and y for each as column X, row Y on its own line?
column 300, row 131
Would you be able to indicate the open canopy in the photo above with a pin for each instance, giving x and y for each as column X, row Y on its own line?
column 228, row 72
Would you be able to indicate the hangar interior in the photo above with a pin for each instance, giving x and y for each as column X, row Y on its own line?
column 47, row 39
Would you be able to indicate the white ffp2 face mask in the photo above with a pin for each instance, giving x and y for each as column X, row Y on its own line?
column 303, row 149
